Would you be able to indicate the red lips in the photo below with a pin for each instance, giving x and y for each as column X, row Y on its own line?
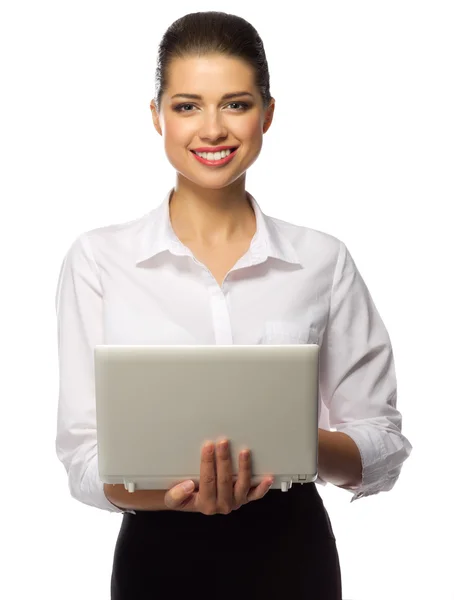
column 213, row 149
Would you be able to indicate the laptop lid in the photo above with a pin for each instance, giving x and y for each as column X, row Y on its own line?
column 157, row 405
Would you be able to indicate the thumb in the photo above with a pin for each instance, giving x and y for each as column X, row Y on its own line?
column 178, row 494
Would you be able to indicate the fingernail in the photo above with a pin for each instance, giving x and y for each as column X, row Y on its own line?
column 188, row 486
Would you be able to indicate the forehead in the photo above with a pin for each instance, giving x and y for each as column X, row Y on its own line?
column 209, row 75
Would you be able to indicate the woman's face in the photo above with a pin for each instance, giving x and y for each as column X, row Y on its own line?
column 188, row 123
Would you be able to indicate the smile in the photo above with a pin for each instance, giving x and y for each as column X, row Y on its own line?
column 216, row 158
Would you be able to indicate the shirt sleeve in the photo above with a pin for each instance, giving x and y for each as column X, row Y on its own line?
column 358, row 380
column 79, row 305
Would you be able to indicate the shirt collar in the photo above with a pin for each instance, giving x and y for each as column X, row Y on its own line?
column 157, row 235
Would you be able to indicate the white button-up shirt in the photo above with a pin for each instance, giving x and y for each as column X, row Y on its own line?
column 137, row 283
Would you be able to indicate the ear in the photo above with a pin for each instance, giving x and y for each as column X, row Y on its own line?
column 155, row 115
column 269, row 115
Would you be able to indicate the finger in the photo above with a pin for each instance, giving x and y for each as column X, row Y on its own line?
column 207, row 485
column 224, row 477
column 243, row 483
column 178, row 495
column 260, row 491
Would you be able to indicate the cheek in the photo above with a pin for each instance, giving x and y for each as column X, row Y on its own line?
column 176, row 133
column 248, row 129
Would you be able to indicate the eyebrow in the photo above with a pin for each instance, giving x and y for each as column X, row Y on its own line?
column 224, row 97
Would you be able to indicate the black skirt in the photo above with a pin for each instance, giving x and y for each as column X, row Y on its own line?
column 280, row 546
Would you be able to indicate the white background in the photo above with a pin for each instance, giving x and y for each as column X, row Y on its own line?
column 361, row 147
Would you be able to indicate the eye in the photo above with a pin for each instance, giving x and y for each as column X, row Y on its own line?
column 180, row 106
column 242, row 106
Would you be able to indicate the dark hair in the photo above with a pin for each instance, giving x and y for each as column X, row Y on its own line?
column 202, row 33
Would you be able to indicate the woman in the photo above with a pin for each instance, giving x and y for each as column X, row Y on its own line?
column 245, row 279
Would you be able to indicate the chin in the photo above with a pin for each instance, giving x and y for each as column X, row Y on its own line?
column 205, row 183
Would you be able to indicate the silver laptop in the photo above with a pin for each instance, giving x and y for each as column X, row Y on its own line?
column 157, row 405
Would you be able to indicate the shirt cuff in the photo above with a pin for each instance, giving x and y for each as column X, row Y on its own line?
column 96, row 490
column 373, row 458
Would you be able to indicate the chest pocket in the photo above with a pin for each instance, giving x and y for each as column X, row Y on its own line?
column 289, row 332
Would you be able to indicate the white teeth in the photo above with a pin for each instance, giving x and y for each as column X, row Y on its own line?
column 214, row 155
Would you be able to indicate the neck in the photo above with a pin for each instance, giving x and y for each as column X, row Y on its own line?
column 211, row 217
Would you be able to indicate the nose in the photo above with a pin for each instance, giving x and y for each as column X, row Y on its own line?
column 213, row 127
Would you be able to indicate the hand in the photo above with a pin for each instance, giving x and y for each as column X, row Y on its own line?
column 217, row 494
